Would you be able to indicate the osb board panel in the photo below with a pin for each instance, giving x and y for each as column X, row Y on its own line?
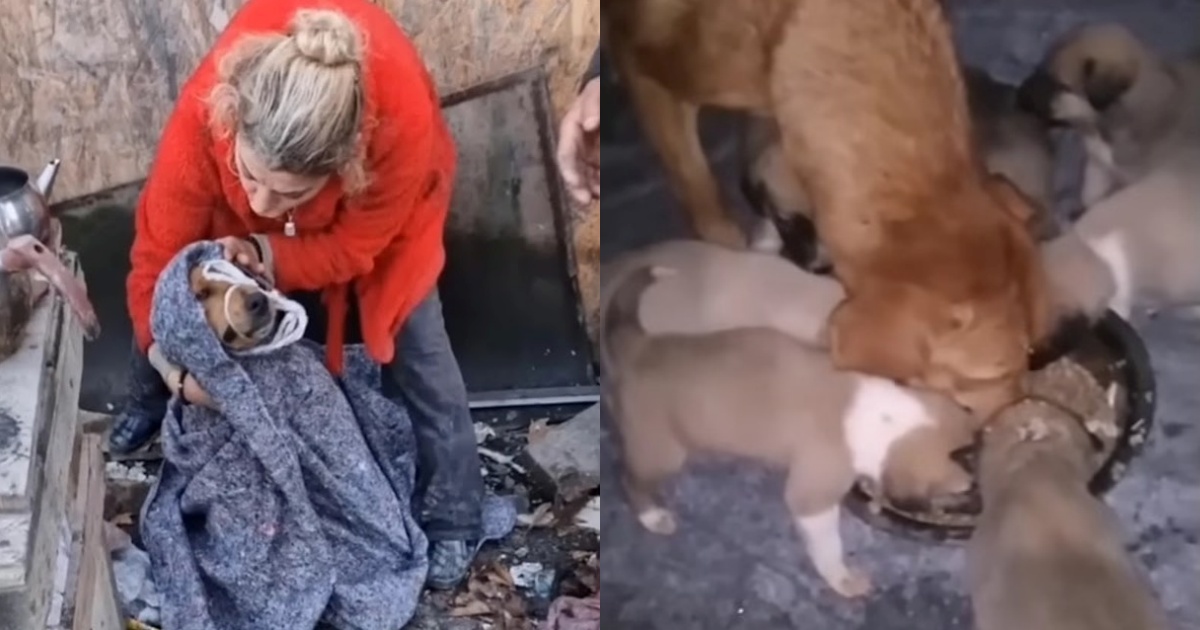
column 93, row 82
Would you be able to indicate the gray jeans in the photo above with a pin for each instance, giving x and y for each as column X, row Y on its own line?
column 425, row 377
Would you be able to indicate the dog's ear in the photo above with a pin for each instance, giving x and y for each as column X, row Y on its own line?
column 885, row 332
column 199, row 284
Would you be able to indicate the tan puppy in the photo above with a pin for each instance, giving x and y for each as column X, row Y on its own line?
column 874, row 120
column 1148, row 235
column 712, row 288
column 1015, row 144
column 1132, row 108
column 1046, row 554
column 760, row 394
column 241, row 316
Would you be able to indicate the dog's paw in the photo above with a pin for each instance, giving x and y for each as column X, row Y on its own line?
column 658, row 520
column 852, row 583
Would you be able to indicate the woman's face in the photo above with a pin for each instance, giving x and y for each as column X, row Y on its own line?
column 272, row 194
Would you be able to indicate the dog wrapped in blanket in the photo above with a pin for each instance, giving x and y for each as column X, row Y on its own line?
column 290, row 506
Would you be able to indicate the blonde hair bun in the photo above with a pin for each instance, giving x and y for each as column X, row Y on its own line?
column 326, row 37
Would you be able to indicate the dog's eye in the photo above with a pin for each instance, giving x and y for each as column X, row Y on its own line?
column 202, row 294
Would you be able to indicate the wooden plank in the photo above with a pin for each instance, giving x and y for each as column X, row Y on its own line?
column 95, row 605
column 34, row 471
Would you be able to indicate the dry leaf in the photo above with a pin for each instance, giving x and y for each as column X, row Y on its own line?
column 471, row 609
column 538, row 429
column 541, row 516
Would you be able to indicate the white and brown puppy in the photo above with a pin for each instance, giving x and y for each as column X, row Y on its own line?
column 1148, row 236
column 1046, row 554
column 760, row 394
column 1015, row 143
column 1132, row 108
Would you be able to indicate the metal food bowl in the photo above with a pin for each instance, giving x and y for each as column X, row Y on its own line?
column 1112, row 353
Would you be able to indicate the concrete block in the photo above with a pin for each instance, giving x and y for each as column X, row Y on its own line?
column 567, row 455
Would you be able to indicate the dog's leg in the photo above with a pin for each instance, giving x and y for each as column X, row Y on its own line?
column 823, row 541
column 814, row 491
column 650, row 459
column 671, row 127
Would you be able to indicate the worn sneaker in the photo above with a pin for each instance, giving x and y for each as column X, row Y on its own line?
column 132, row 430
column 449, row 562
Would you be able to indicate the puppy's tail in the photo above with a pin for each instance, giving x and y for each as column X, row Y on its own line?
column 621, row 331
column 1080, row 287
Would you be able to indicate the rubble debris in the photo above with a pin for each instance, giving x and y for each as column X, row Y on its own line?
column 588, row 516
column 566, row 456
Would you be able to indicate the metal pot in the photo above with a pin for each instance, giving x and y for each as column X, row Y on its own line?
column 26, row 226
column 24, row 208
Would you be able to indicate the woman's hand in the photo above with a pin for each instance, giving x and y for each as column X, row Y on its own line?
column 243, row 253
column 579, row 145
column 188, row 389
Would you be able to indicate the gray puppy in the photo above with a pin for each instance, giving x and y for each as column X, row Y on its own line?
column 1047, row 554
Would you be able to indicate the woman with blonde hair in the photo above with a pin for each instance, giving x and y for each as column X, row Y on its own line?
column 311, row 144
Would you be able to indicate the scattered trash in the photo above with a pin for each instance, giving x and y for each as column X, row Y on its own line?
column 127, row 471
column 574, row 613
column 139, row 597
column 589, row 516
column 523, row 574
column 483, row 432
column 501, row 458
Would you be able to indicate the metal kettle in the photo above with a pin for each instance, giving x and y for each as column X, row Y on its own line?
column 26, row 228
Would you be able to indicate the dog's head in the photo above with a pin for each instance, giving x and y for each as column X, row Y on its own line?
column 241, row 316
column 975, row 348
column 1084, row 74
column 1030, row 430
column 920, row 470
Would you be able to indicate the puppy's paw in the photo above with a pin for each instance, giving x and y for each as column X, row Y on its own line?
column 852, row 583
column 658, row 520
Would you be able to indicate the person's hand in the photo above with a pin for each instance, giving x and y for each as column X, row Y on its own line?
column 579, row 145
column 186, row 387
column 242, row 253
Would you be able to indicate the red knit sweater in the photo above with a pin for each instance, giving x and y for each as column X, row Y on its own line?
column 386, row 243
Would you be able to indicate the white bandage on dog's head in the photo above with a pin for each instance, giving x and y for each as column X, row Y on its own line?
column 294, row 318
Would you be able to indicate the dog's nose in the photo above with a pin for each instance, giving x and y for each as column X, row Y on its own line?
column 256, row 303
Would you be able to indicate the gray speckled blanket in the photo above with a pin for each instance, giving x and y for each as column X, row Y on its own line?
column 291, row 506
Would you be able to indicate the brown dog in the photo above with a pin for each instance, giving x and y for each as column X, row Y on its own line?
column 760, row 394
column 944, row 284
column 1046, row 554
column 241, row 316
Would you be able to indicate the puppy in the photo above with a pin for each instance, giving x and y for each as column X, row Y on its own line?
column 1014, row 142
column 1132, row 108
column 1046, row 554
column 760, row 394
column 1148, row 237
column 241, row 316
column 712, row 288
